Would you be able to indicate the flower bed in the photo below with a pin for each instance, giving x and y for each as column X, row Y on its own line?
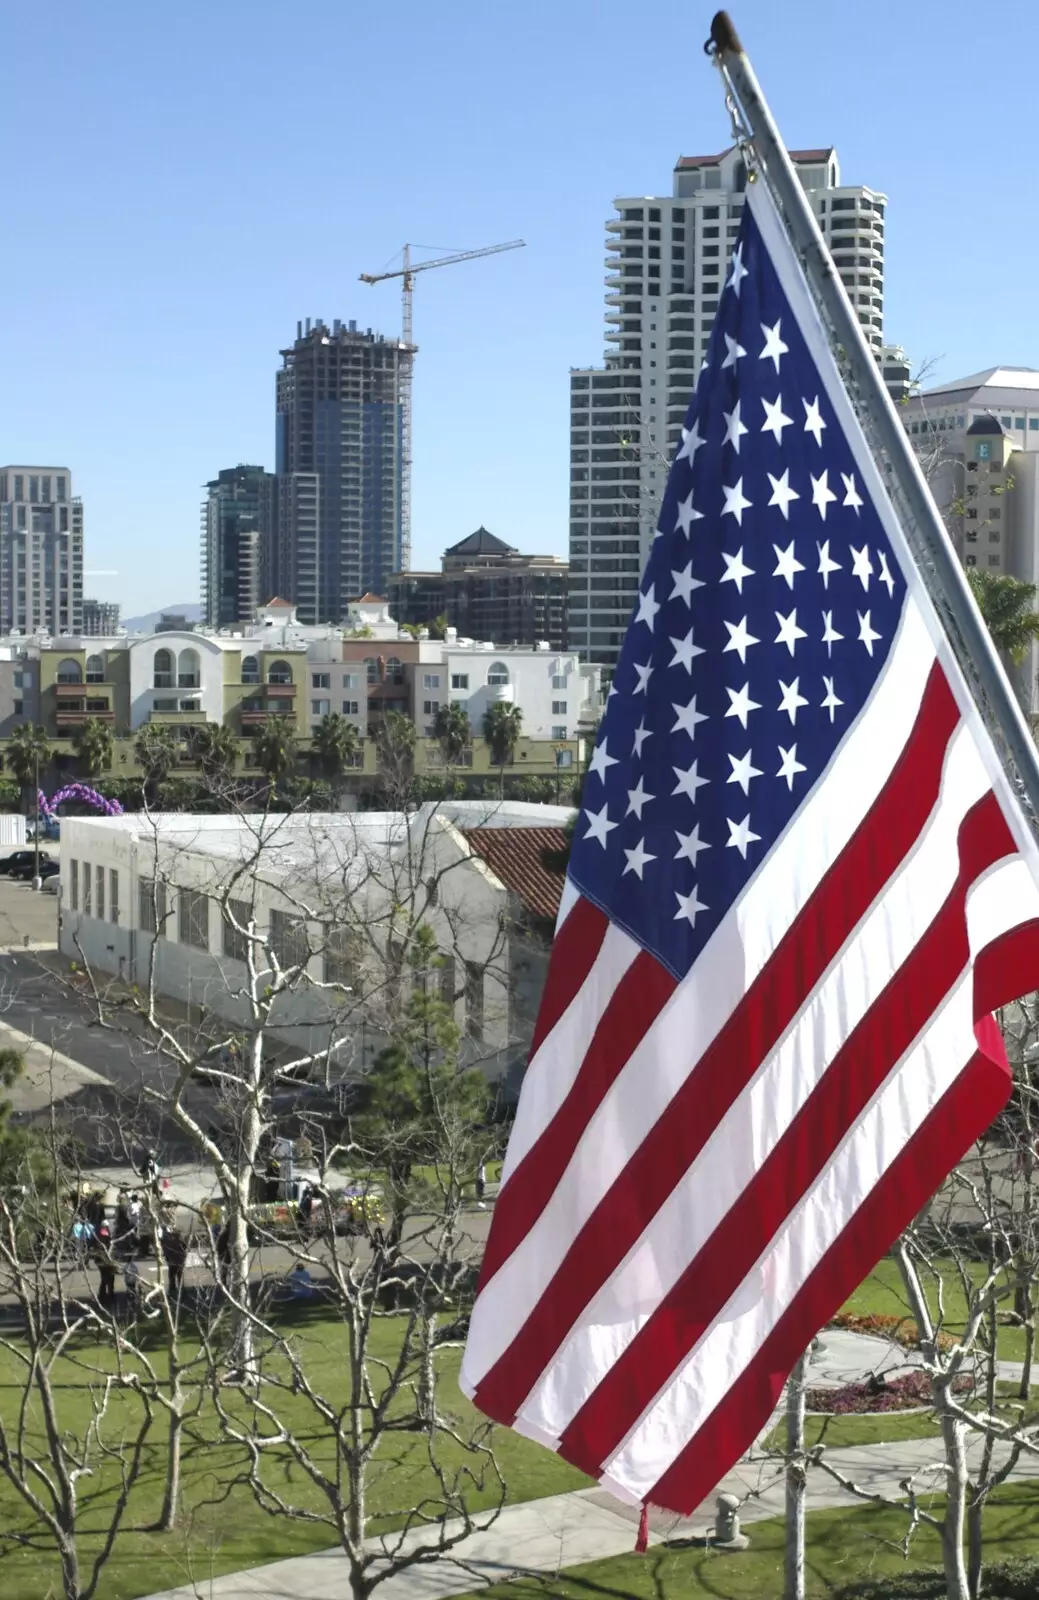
column 909, row 1392
column 901, row 1330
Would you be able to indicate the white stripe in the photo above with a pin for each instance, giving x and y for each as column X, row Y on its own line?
column 897, row 1111
column 570, row 894
column 754, row 1124
column 1008, row 883
column 700, row 1006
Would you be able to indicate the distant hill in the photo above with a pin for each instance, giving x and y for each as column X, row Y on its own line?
column 146, row 623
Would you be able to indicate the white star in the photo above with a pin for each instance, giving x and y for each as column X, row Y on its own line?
column 642, row 733
column 688, row 781
column 613, row 691
column 735, row 570
column 691, row 442
column 637, row 859
column 792, row 701
column 743, row 770
column 830, row 634
column 866, row 633
column 789, row 766
column 735, row 501
column 689, row 845
column 885, row 576
column 741, row 705
column 775, row 419
column 787, row 564
column 741, row 836
column 789, row 632
column 648, row 608
column 782, row 494
column 637, row 798
column 739, row 638
column 822, row 494
column 734, row 349
column 851, row 494
column 684, row 650
column 599, row 825
column 687, row 514
column 644, row 675
column 813, row 419
column 739, row 271
column 687, row 718
column 831, row 702
column 861, row 565
column 689, row 907
column 774, row 346
column 600, row 761
column 826, row 563
column 733, row 427
column 685, row 583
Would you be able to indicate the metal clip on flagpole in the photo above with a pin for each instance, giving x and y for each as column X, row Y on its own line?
column 940, row 570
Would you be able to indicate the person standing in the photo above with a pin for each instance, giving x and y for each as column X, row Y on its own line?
column 481, row 1186
column 175, row 1255
column 102, row 1250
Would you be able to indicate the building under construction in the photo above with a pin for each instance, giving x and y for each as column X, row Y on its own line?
column 340, row 467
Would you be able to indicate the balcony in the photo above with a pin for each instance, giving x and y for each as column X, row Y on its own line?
column 280, row 691
column 255, row 717
column 178, row 719
column 69, row 718
column 76, row 691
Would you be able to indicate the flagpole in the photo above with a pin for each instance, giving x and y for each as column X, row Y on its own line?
column 1000, row 709
column 794, row 1554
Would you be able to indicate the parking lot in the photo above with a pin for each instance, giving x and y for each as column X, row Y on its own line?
column 27, row 914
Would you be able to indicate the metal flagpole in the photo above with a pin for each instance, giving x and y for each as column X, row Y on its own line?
column 796, row 1483
column 946, row 581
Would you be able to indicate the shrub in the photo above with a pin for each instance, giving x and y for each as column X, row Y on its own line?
column 905, row 1393
column 902, row 1330
column 1000, row 1580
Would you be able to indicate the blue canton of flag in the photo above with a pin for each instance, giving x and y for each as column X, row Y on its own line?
column 767, row 609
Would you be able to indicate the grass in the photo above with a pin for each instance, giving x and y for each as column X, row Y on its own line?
column 883, row 1292
column 841, row 1547
column 840, row 1433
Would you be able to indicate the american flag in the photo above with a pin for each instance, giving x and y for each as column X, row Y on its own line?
column 799, row 885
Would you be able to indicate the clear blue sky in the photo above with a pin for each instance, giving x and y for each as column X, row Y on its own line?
column 184, row 181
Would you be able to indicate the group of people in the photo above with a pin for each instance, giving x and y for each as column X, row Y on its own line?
column 119, row 1246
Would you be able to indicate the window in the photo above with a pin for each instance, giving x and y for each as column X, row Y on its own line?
column 394, row 670
column 447, row 980
column 321, row 680
column 474, row 1000
column 350, row 680
column 431, row 680
column 19, row 708
column 342, row 962
column 559, row 680
column 113, row 895
column 320, row 708
column 288, row 939
column 559, row 730
column 250, row 669
column 559, row 708
column 236, row 940
column 70, row 671
column 993, row 561
column 151, row 905
column 162, row 665
column 279, row 672
column 193, row 913
column 74, row 885
column 498, row 673
column 19, row 487
column 351, row 708
column 1033, row 424
column 100, row 881
column 1005, row 421
column 161, row 704
column 86, row 888
column 371, row 669
column 430, row 708
column 95, row 669
column 60, row 489
column 189, row 670
column 564, row 758
column 459, row 680
column 995, row 537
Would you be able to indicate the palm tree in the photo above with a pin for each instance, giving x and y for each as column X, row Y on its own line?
column 215, row 748
column 395, row 742
column 453, row 732
column 93, row 745
column 502, row 724
column 27, row 752
column 274, row 749
column 334, row 745
column 1005, row 604
column 156, row 751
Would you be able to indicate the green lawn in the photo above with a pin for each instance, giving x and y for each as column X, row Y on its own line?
column 882, row 1292
column 838, row 1433
column 841, row 1546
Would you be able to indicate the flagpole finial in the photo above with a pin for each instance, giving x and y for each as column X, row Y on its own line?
column 724, row 39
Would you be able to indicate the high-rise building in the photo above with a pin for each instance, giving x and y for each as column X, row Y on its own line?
column 487, row 590
column 339, row 461
column 100, row 618
column 41, row 551
column 238, row 522
column 667, row 264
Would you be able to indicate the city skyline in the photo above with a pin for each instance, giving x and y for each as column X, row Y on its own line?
column 164, row 325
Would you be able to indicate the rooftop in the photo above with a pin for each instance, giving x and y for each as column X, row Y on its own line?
column 516, row 856
column 712, row 161
column 481, row 543
column 990, row 378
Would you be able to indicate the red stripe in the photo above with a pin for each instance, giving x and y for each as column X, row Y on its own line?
column 794, row 1162
column 966, row 1109
column 877, row 848
column 1007, row 968
column 639, row 997
column 574, row 952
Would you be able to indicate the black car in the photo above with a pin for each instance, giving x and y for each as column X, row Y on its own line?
column 12, row 864
column 27, row 869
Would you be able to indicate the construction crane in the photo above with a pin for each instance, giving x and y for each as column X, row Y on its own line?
column 406, row 272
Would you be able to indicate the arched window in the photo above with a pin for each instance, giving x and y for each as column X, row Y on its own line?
column 371, row 669
column 189, row 670
column 162, row 677
column 279, row 672
column 498, row 673
column 70, row 671
column 250, row 669
column 95, row 669
column 394, row 670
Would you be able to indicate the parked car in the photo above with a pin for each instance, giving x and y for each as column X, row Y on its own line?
column 51, row 883
column 25, row 870
column 21, row 858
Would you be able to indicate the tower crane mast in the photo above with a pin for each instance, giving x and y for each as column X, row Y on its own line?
column 406, row 273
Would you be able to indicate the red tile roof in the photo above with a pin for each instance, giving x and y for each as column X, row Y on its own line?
column 515, row 856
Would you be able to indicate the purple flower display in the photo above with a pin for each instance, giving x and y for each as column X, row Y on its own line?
column 83, row 793
column 906, row 1393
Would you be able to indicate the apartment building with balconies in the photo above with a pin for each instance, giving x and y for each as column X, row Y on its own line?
column 41, row 551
